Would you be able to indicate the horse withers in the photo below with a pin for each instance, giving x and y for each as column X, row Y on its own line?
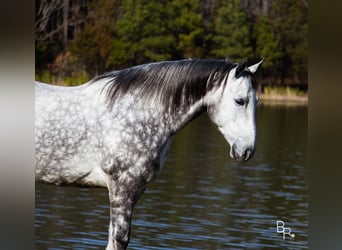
column 115, row 131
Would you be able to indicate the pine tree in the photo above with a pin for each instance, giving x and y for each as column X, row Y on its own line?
column 141, row 34
column 290, row 26
column 233, row 32
column 157, row 30
column 110, row 34
column 268, row 44
column 186, row 25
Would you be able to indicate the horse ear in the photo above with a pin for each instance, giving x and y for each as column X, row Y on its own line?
column 241, row 67
column 253, row 68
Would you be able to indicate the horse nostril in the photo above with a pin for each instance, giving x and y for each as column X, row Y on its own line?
column 248, row 154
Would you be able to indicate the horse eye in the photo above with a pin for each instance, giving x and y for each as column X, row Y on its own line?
column 240, row 102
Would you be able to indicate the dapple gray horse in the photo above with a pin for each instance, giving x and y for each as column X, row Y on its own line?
column 115, row 131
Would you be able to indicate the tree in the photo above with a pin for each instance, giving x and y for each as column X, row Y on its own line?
column 267, row 45
column 92, row 45
column 56, row 23
column 157, row 30
column 290, row 26
column 141, row 34
column 187, row 27
column 233, row 32
column 97, row 36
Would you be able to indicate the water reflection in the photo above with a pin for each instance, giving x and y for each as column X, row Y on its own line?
column 202, row 199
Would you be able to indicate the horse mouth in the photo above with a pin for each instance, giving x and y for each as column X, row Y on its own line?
column 245, row 155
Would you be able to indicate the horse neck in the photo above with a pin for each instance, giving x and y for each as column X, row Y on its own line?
column 185, row 116
column 170, row 121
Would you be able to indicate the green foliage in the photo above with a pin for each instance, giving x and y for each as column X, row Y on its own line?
column 45, row 76
column 282, row 91
column 141, row 34
column 186, row 25
column 157, row 30
column 290, row 26
column 233, row 36
column 85, row 47
column 92, row 45
column 122, row 33
column 267, row 43
column 76, row 79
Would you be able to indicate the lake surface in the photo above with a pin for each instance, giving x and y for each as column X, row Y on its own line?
column 202, row 198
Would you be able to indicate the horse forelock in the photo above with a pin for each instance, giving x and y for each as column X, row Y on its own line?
column 246, row 73
column 172, row 84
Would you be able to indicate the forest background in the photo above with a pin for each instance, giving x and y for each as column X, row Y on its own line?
column 76, row 40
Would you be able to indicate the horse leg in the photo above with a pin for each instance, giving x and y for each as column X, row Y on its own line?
column 123, row 194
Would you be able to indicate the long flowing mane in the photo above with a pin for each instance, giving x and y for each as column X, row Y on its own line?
column 173, row 84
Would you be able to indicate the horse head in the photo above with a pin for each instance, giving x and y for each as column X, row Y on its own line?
column 231, row 106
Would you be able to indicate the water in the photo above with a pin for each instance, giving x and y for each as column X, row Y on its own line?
column 202, row 199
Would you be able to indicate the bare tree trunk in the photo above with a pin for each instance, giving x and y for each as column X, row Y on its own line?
column 65, row 22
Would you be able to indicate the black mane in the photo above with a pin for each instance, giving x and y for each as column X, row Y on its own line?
column 172, row 83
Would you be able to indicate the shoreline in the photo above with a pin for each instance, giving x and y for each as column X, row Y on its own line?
column 283, row 99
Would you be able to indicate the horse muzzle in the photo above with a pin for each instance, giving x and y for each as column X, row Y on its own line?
column 239, row 154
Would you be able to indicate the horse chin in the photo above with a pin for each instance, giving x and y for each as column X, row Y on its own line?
column 238, row 158
column 241, row 159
